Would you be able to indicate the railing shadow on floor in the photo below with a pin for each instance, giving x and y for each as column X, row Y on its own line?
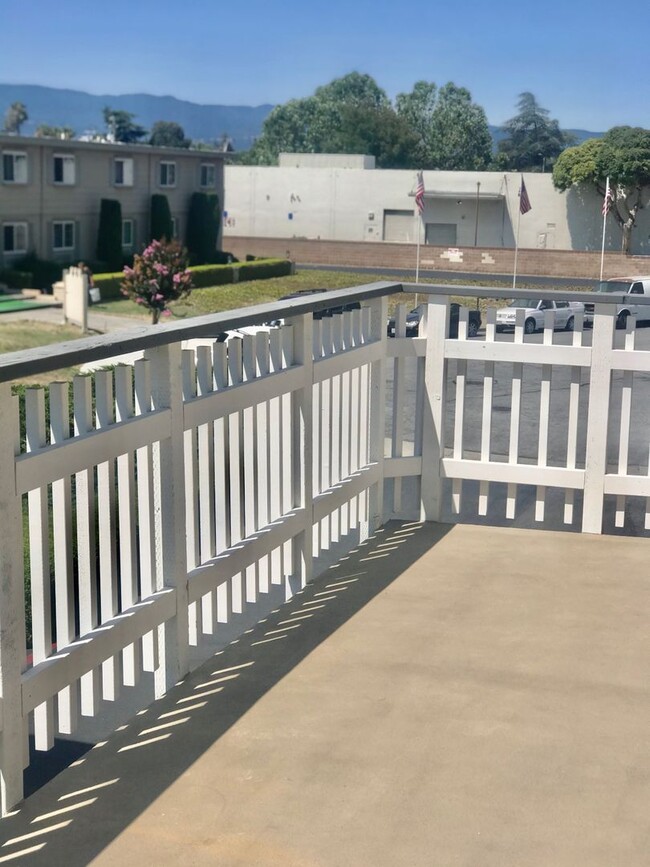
column 71, row 819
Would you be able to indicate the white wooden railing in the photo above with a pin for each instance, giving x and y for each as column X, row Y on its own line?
column 193, row 482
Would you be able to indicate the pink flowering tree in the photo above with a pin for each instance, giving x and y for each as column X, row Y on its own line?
column 158, row 276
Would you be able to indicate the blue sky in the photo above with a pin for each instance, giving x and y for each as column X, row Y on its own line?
column 587, row 68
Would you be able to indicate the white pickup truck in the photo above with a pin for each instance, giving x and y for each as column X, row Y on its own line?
column 630, row 286
column 565, row 312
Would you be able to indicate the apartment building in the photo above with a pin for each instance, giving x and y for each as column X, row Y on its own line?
column 50, row 192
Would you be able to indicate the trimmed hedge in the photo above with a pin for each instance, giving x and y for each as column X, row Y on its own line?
column 202, row 227
column 109, row 233
column 264, row 269
column 44, row 272
column 16, row 279
column 109, row 285
column 161, row 218
column 208, row 275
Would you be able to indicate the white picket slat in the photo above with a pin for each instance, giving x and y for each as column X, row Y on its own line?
column 68, row 699
column 39, row 563
column 90, row 682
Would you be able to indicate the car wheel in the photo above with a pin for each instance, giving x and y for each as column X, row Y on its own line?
column 530, row 326
column 472, row 329
column 570, row 323
column 621, row 320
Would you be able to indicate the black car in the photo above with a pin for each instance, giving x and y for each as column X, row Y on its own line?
column 413, row 322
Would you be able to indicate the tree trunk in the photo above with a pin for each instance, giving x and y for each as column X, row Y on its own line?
column 626, row 228
column 155, row 316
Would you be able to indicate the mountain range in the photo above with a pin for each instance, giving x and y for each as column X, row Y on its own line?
column 83, row 112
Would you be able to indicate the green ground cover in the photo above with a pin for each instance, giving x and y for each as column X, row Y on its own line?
column 216, row 299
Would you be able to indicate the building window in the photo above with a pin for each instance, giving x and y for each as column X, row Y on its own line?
column 123, row 172
column 63, row 235
column 14, row 167
column 208, row 175
column 64, row 169
column 128, row 236
column 14, row 237
column 167, row 174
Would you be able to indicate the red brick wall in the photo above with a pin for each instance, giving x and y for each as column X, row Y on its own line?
column 480, row 260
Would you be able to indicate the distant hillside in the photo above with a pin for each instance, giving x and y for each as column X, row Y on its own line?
column 83, row 112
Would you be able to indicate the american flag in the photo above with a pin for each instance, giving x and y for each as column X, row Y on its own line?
column 419, row 193
column 524, row 201
column 608, row 201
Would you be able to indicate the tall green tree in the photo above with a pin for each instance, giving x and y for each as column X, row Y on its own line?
column 315, row 124
column 452, row 130
column 623, row 156
column 460, row 135
column 15, row 117
column 377, row 131
column 168, row 134
column 416, row 109
column 533, row 139
column 121, row 126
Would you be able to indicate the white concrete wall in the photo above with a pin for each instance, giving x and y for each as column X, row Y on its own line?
column 332, row 203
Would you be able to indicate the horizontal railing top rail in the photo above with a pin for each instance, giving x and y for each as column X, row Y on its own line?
column 75, row 352
column 545, row 293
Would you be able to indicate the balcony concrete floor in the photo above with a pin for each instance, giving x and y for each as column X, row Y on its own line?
column 448, row 696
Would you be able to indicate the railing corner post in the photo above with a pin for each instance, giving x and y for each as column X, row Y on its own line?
column 170, row 523
column 377, row 415
column 302, row 451
column 433, row 411
column 12, row 608
column 598, row 418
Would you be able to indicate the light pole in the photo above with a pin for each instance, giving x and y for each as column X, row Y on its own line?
column 478, row 199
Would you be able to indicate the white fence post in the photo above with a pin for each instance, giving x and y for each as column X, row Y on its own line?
column 170, row 524
column 12, row 608
column 75, row 297
column 302, row 450
column 377, row 421
column 597, row 418
column 433, row 414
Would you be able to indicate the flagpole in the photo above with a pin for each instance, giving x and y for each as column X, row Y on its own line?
column 605, row 210
column 514, row 273
column 418, row 211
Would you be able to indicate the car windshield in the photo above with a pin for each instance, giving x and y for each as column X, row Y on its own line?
column 523, row 302
column 613, row 286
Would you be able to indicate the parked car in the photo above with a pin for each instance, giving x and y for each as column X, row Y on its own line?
column 565, row 312
column 413, row 322
column 629, row 286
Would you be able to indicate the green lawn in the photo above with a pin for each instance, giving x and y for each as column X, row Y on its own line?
column 219, row 298
column 23, row 334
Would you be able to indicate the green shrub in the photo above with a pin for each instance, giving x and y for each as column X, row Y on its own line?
column 161, row 218
column 43, row 271
column 16, row 279
column 202, row 227
column 212, row 275
column 264, row 269
column 109, row 285
column 109, row 235
column 206, row 275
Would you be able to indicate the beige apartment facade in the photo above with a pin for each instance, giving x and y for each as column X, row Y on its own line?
column 50, row 193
